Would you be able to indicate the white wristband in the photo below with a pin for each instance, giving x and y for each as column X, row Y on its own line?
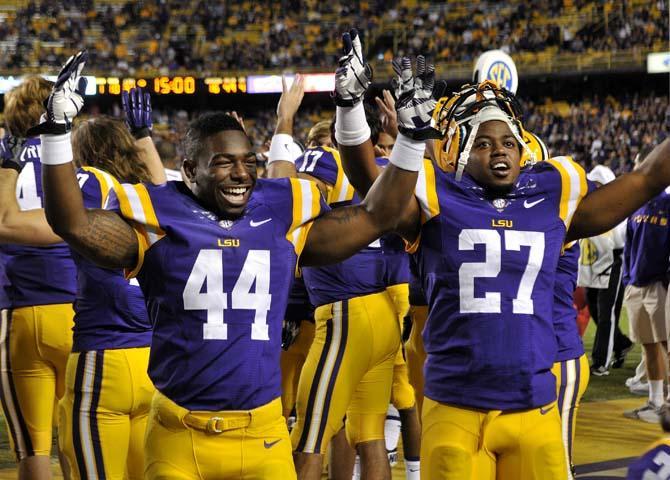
column 351, row 127
column 408, row 153
column 283, row 148
column 56, row 149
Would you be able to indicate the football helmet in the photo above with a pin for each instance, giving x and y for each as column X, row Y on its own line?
column 460, row 116
column 536, row 146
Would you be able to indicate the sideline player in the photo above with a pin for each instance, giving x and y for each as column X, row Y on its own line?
column 217, row 375
column 646, row 268
column 103, row 414
column 36, row 331
column 488, row 268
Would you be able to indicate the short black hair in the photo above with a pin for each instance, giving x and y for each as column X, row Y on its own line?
column 205, row 126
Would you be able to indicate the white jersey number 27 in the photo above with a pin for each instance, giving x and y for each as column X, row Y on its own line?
column 204, row 291
column 490, row 268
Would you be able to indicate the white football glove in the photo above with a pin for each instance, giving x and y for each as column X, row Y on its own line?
column 416, row 98
column 66, row 99
column 353, row 77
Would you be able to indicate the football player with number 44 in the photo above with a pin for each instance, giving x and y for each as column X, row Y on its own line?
column 487, row 240
column 215, row 262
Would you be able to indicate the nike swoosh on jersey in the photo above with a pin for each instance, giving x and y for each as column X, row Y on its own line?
column 267, row 444
column 258, row 224
column 528, row 204
column 544, row 411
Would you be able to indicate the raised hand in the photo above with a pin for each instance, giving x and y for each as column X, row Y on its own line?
column 137, row 108
column 66, row 99
column 353, row 77
column 291, row 97
column 388, row 115
column 417, row 96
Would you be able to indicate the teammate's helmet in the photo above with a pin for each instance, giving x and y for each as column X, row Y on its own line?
column 461, row 115
column 536, row 146
column 497, row 66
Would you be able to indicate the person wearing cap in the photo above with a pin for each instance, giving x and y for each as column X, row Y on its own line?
column 487, row 239
column 600, row 272
column 646, row 268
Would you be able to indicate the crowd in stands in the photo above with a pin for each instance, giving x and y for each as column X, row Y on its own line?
column 594, row 131
column 207, row 37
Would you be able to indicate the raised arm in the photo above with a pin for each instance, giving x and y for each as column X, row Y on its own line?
column 28, row 227
column 344, row 231
column 138, row 115
column 102, row 236
column 606, row 207
column 283, row 151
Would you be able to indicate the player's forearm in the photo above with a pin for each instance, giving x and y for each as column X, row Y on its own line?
column 360, row 166
column 609, row 205
column 8, row 203
column 605, row 208
column 388, row 198
column 149, row 155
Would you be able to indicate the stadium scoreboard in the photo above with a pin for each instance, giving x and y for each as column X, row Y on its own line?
column 189, row 85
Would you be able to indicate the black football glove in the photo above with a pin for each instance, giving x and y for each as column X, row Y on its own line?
column 289, row 332
column 10, row 152
column 137, row 109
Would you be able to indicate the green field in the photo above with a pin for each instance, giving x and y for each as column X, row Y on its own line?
column 600, row 388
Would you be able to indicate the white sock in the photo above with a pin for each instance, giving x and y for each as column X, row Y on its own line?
column 656, row 392
column 357, row 469
column 413, row 469
column 392, row 428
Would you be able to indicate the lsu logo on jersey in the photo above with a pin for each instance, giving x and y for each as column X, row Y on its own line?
column 228, row 242
column 501, row 223
column 501, row 73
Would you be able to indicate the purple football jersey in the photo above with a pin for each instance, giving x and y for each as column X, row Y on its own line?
column 37, row 275
column 109, row 311
column 488, row 265
column 653, row 465
column 362, row 274
column 648, row 243
column 565, row 314
column 216, row 289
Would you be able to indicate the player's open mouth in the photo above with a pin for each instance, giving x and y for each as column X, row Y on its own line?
column 236, row 195
column 500, row 168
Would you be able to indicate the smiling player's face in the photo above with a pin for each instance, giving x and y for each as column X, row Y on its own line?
column 495, row 156
column 225, row 174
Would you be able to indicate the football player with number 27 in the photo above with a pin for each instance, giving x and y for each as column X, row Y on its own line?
column 487, row 239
